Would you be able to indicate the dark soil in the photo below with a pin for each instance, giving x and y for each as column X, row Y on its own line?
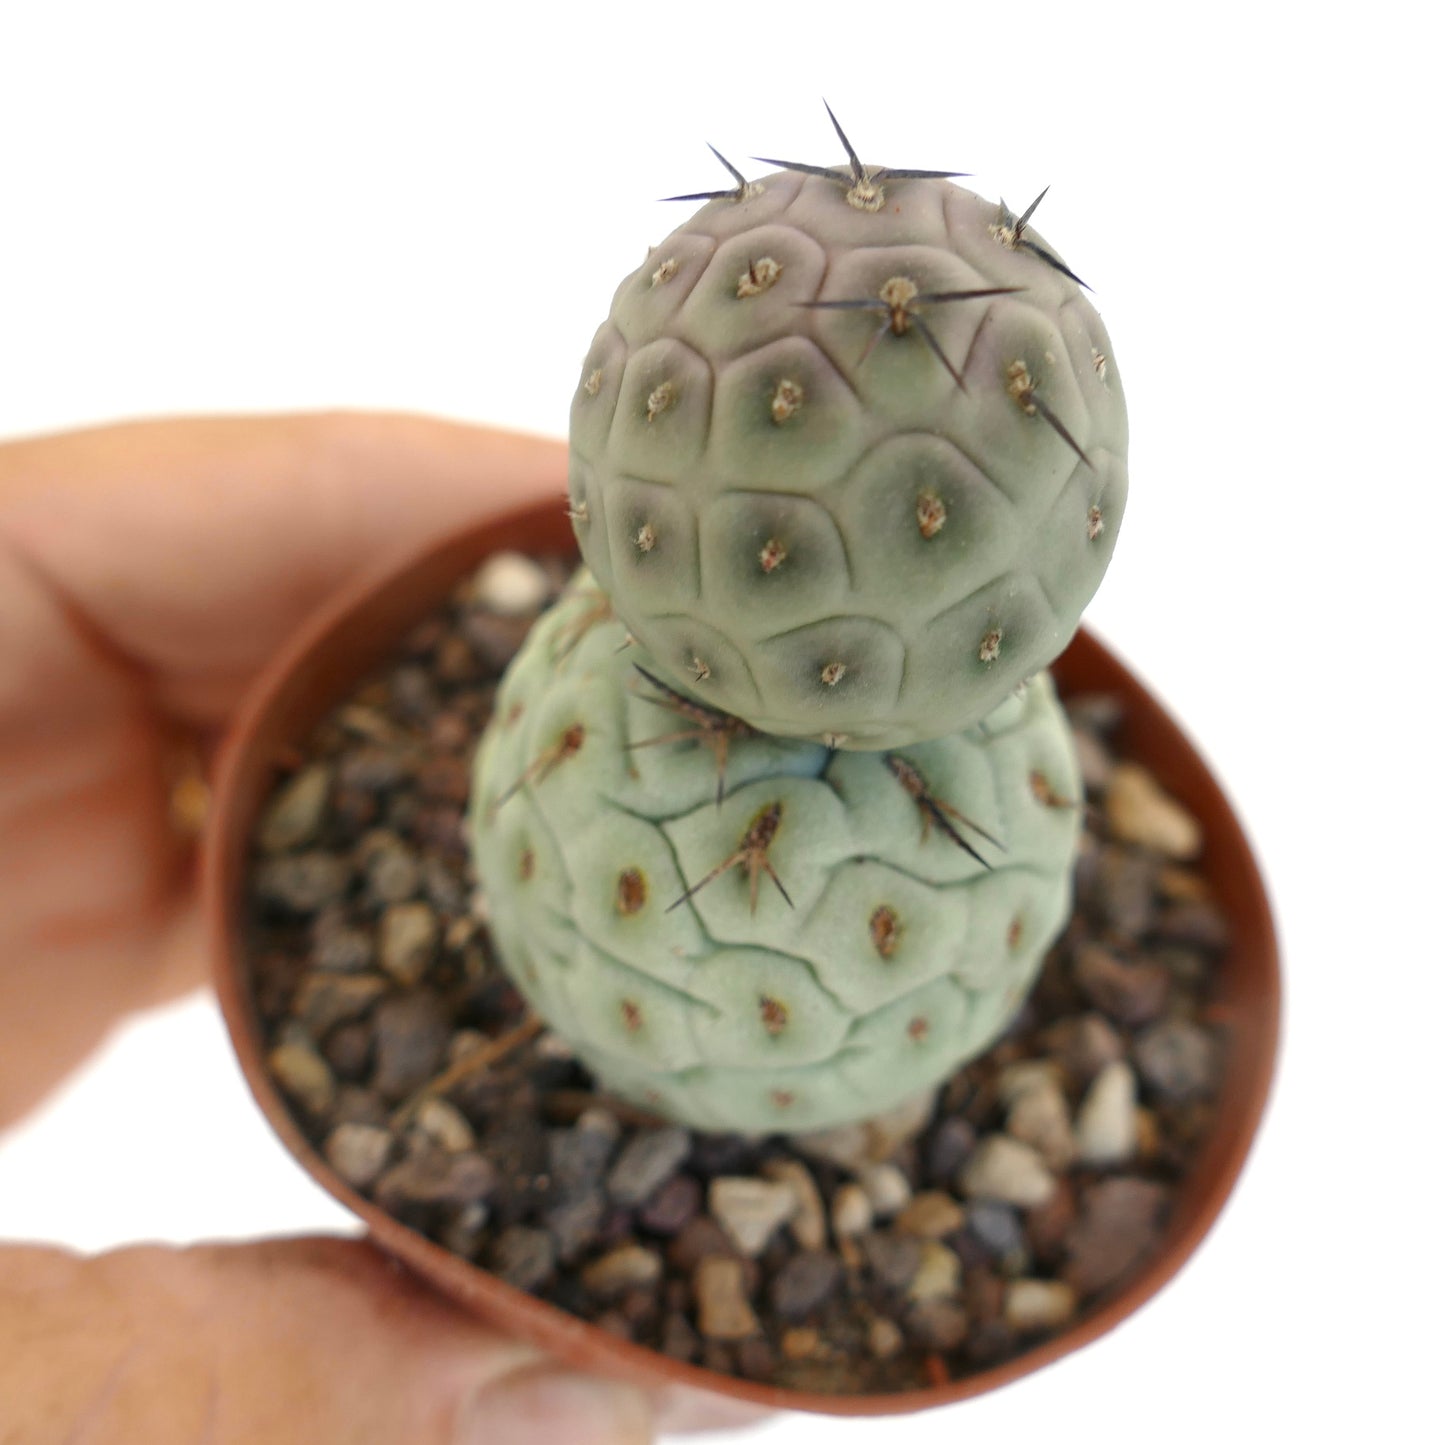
column 923, row 1246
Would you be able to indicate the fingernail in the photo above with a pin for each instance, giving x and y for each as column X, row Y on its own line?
column 541, row 1407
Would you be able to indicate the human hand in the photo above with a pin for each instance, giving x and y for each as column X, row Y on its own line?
column 147, row 572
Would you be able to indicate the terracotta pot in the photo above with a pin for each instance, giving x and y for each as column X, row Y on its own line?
column 361, row 629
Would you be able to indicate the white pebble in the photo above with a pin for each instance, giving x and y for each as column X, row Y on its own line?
column 1038, row 1304
column 749, row 1210
column 939, row 1271
column 1140, row 811
column 852, row 1213
column 1003, row 1168
column 1106, row 1129
column 887, row 1188
column 511, row 584
column 358, row 1152
column 445, row 1125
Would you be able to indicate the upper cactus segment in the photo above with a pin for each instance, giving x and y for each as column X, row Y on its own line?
column 848, row 454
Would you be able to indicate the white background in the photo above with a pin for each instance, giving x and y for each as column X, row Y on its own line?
column 427, row 206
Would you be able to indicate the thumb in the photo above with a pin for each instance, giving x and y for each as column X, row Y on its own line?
column 291, row 1341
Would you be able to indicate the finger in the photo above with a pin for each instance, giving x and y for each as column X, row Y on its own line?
column 294, row 1342
column 192, row 548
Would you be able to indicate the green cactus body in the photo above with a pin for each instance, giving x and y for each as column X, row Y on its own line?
column 864, row 525
column 751, row 933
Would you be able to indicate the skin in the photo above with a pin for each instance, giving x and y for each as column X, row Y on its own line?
column 147, row 571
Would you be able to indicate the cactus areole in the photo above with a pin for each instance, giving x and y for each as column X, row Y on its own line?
column 777, row 811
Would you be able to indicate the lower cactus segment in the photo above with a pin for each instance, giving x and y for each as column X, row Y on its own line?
column 754, row 934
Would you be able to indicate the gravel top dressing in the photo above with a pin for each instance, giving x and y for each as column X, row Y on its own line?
column 942, row 1238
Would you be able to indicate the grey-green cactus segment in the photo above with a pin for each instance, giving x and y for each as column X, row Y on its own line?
column 756, row 934
column 866, row 525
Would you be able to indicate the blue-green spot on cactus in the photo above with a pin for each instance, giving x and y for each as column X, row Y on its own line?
column 849, row 453
column 751, row 933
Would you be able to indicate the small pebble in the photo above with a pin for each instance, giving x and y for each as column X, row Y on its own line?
column 393, row 873
column 510, row 584
column 1084, row 1044
column 846, row 1146
column 412, row 1032
column 293, row 817
column 887, row 1188
column 950, row 1144
column 1131, row 994
column 852, row 1214
column 524, row 1258
column 670, row 1207
column 466, row 1231
column 577, row 1157
column 1120, row 1224
column 930, row 1215
column 1194, row 923
column 885, row 1339
column 1139, row 811
column 938, row 1273
column 997, row 1227
column 1023, row 1077
column 304, row 1075
column 750, row 1210
column 1121, row 890
column 809, row 1225
column 358, row 1152
column 649, row 1158
column 1003, row 1168
column 1047, row 1226
column 407, row 940
column 940, row 1325
column 1177, row 1060
column 723, row 1311
column 699, row 1238
column 628, row 1266
column 575, row 1223
column 679, row 1339
column 893, row 1259
column 324, row 1000
column 1039, row 1116
column 805, row 1283
column 435, row 1177
column 337, row 947
column 303, row 882
column 800, row 1342
column 1105, row 1129
column 1031, row 1305
column 444, row 1125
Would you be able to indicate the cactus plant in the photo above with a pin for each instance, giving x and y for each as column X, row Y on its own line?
column 753, row 933
column 848, row 453
column 777, row 812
